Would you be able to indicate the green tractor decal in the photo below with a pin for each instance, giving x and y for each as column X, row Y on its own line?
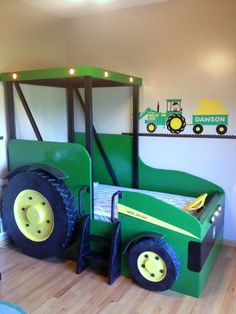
column 207, row 113
column 172, row 118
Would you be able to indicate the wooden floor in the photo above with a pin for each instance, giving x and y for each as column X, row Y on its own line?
column 51, row 286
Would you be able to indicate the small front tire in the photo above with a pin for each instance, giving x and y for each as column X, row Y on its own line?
column 151, row 127
column 154, row 264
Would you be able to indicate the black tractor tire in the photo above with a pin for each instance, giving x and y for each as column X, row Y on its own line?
column 63, row 206
column 151, row 127
column 221, row 129
column 163, row 251
column 197, row 128
column 181, row 120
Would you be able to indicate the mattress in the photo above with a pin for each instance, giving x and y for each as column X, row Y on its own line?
column 103, row 195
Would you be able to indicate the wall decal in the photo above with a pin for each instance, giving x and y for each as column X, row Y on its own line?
column 210, row 112
column 207, row 113
column 172, row 118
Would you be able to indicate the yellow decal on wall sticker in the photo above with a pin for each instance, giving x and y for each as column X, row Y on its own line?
column 210, row 107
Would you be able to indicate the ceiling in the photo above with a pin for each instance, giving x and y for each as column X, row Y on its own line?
column 75, row 8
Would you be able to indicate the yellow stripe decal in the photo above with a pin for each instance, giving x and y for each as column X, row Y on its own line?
column 141, row 216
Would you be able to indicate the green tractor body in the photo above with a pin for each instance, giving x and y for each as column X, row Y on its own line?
column 48, row 206
column 141, row 218
column 172, row 118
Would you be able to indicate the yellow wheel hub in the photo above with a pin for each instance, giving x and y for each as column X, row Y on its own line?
column 175, row 123
column 151, row 266
column 151, row 128
column 33, row 215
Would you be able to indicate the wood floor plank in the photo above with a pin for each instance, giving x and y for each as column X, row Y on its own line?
column 51, row 286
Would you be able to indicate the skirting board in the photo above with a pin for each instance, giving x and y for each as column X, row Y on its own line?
column 229, row 243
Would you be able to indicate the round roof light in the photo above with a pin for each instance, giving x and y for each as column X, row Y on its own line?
column 71, row 71
column 14, row 76
column 106, row 74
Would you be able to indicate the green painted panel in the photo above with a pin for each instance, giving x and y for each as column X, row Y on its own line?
column 80, row 71
column 101, row 228
column 209, row 209
column 118, row 150
column 131, row 227
column 112, row 76
column 184, row 221
column 188, row 282
column 72, row 159
column 175, row 182
column 37, row 74
column 204, row 275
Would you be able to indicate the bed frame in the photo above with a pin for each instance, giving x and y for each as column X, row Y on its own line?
column 158, row 244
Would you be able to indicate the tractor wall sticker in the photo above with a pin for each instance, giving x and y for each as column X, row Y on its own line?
column 208, row 113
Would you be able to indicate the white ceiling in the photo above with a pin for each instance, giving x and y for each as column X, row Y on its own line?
column 74, row 8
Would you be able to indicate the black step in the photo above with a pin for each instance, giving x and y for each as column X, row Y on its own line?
column 115, row 255
column 99, row 239
column 111, row 254
column 83, row 263
column 100, row 257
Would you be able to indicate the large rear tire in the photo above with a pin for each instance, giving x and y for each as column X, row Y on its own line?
column 39, row 213
column 176, row 123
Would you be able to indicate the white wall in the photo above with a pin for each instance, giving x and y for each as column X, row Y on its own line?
column 30, row 39
column 111, row 110
column 48, row 106
column 183, row 49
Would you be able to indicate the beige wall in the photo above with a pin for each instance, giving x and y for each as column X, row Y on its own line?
column 29, row 38
column 182, row 49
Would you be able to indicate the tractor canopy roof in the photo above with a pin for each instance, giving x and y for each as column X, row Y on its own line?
column 73, row 76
